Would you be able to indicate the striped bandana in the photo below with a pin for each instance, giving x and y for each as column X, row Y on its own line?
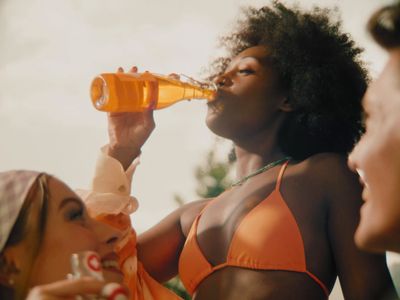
column 14, row 187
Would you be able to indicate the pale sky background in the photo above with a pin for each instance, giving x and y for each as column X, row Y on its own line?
column 51, row 50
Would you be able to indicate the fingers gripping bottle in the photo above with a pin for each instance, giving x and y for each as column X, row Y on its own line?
column 88, row 263
column 136, row 92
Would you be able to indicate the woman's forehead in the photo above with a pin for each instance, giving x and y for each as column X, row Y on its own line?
column 257, row 52
column 58, row 191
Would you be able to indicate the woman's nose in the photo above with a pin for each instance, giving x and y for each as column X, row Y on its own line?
column 351, row 159
column 106, row 233
column 222, row 80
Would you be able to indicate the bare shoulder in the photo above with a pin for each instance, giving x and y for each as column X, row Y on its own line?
column 330, row 172
column 326, row 166
column 326, row 160
column 189, row 213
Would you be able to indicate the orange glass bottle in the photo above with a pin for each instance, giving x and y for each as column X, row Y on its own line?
column 135, row 92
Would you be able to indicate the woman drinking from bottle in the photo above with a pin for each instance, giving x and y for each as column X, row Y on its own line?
column 289, row 98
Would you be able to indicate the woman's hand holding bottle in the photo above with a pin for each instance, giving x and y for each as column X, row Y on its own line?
column 128, row 131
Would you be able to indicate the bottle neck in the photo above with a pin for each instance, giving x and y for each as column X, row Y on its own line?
column 192, row 91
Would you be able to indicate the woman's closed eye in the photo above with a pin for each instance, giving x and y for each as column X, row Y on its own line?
column 73, row 209
column 75, row 214
column 246, row 71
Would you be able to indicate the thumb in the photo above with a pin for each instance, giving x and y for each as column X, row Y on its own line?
column 148, row 118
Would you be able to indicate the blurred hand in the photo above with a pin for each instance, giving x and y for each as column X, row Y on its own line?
column 77, row 289
column 128, row 132
column 67, row 289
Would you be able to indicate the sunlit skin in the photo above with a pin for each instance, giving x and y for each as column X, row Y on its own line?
column 322, row 193
column 68, row 230
column 376, row 158
column 246, row 80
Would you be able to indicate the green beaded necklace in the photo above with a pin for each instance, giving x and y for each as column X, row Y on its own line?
column 260, row 170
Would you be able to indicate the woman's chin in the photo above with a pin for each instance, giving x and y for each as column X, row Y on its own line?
column 375, row 236
column 365, row 235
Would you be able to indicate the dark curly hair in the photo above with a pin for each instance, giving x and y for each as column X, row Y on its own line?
column 319, row 68
column 384, row 25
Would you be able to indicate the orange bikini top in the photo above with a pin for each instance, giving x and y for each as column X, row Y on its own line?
column 267, row 238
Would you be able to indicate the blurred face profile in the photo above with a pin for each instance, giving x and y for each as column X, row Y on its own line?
column 377, row 160
column 70, row 230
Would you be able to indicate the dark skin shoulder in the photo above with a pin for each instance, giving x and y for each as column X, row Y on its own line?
column 362, row 275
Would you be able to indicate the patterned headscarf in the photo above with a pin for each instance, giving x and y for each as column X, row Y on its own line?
column 14, row 188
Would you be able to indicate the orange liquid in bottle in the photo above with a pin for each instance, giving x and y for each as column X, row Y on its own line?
column 135, row 92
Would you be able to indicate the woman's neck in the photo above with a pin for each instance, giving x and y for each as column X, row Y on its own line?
column 256, row 152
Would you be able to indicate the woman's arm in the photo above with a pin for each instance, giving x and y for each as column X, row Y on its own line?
column 362, row 275
column 159, row 247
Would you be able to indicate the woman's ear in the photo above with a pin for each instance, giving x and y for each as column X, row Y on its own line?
column 285, row 105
